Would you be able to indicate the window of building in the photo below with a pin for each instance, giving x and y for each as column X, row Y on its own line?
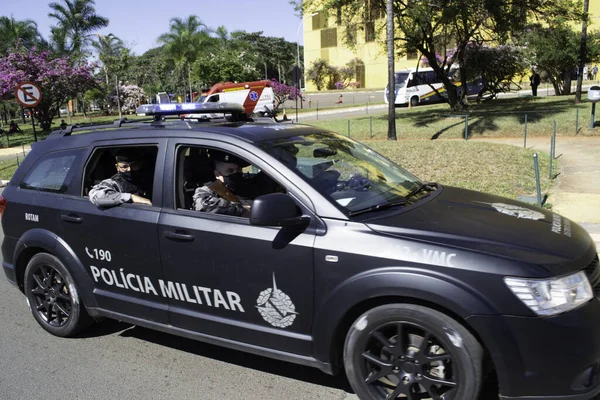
column 329, row 37
column 319, row 21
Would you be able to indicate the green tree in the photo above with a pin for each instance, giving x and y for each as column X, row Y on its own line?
column 76, row 22
column 230, row 59
column 115, row 59
column 555, row 51
column 276, row 55
column 12, row 30
column 495, row 69
column 322, row 74
column 186, row 39
column 154, row 71
column 109, row 49
column 432, row 27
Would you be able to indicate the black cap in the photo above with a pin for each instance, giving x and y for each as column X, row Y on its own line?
column 228, row 158
column 126, row 155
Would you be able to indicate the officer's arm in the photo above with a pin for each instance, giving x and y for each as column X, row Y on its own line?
column 107, row 194
column 206, row 200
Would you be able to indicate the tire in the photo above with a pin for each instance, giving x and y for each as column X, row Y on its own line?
column 53, row 297
column 414, row 101
column 448, row 365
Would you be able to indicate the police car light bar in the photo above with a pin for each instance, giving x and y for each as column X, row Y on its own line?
column 189, row 108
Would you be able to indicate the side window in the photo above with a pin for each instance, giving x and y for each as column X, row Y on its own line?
column 52, row 172
column 102, row 165
column 230, row 190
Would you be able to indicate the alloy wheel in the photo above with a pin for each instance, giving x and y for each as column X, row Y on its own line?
column 50, row 296
column 403, row 360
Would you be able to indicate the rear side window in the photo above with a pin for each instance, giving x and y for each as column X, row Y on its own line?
column 51, row 172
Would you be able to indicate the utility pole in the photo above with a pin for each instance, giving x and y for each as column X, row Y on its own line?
column 586, row 5
column 190, row 83
column 391, row 72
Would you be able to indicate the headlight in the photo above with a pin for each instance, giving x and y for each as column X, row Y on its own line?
column 552, row 296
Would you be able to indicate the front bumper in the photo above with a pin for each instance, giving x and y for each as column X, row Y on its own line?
column 545, row 358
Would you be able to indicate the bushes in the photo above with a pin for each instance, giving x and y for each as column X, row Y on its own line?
column 326, row 76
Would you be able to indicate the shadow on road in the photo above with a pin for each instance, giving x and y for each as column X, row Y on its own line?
column 263, row 364
column 104, row 328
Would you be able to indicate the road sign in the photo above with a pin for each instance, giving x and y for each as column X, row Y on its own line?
column 28, row 94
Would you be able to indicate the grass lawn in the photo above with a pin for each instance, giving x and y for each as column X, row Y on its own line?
column 488, row 167
column 503, row 117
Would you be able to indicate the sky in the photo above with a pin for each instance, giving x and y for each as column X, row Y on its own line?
column 139, row 22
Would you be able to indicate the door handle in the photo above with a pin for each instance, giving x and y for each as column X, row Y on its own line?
column 179, row 236
column 71, row 218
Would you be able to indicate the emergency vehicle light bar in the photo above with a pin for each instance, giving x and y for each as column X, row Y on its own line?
column 189, row 108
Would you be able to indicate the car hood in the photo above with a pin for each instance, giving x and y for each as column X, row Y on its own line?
column 490, row 224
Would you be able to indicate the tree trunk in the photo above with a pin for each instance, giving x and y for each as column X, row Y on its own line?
column 118, row 97
column 586, row 4
column 566, row 85
column 391, row 73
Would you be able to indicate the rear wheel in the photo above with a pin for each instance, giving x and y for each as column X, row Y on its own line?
column 404, row 351
column 53, row 297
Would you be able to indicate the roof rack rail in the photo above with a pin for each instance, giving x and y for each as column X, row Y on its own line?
column 93, row 127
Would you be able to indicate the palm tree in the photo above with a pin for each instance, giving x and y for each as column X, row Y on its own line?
column 12, row 30
column 76, row 22
column 109, row 48
column 184, row 41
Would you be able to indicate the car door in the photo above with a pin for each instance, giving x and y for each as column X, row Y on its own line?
column 118, row 245
column 228, row 279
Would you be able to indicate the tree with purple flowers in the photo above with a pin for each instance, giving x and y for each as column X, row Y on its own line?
column 283, row 92
column 57, row 78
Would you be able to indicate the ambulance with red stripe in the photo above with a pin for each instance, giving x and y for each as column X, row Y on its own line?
column 256, row 97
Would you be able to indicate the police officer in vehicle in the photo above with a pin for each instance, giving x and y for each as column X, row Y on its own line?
column 126, row 186
column 231, row 193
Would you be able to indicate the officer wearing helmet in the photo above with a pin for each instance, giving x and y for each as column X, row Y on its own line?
column 126, row 186
column 231, row 192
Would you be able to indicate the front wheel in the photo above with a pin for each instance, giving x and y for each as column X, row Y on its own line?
column 414, row 101
column 405, row 351
column 53, row 298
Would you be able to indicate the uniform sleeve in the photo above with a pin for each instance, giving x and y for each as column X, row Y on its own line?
column 107, row 194
column 206, row 200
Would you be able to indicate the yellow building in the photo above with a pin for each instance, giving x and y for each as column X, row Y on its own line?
column 324, row 39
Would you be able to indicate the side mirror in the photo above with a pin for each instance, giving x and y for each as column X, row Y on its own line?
column 275, row 209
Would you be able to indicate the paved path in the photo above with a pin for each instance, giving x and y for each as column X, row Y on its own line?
column 576, row 193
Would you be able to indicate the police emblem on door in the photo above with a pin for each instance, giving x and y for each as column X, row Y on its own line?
column 253, row 96
column 276, row 307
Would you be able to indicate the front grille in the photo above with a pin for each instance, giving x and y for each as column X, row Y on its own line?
column 592, row 270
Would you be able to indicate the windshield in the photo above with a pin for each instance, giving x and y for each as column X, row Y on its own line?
column 401, row 78
column 346, row 172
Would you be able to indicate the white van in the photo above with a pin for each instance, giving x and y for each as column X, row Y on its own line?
column 417, row 86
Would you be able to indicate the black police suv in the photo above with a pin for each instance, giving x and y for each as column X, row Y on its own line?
column 342, row 260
